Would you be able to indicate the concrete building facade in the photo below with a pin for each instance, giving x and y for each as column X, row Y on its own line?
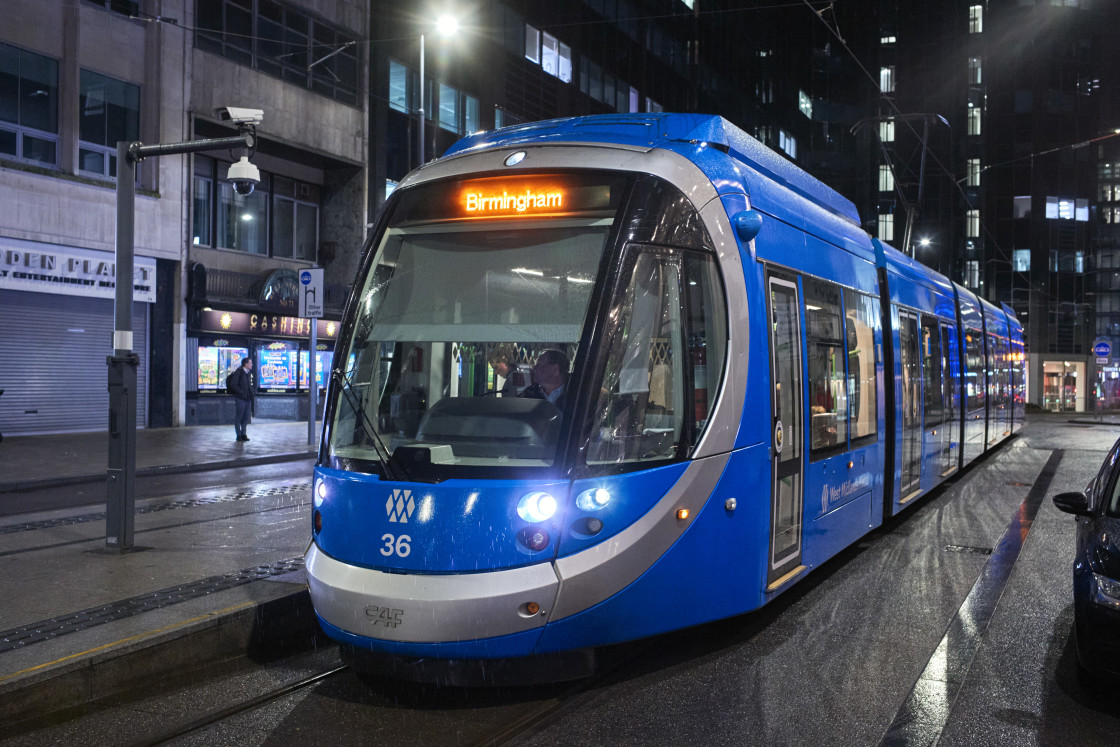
column 76, row 77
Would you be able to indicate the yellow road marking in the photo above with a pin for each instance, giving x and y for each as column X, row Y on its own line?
column 126, row 640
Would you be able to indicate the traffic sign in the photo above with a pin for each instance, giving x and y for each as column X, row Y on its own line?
column 311, row 293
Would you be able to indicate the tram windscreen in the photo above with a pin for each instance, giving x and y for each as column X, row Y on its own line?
column 454, row 316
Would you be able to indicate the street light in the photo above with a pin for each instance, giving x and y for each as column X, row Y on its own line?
column 445, row 26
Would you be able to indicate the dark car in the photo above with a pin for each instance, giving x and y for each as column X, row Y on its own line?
column 1096, row 569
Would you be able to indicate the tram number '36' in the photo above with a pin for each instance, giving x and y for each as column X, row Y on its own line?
column 396, row 545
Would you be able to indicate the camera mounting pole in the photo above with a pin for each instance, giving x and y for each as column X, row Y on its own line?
column 120, row 505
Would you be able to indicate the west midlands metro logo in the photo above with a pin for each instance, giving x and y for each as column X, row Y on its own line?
column 400, row 506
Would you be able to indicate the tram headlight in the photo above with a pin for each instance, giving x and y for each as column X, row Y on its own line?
column 320, row 492
column 536, row 507
column 593, row 499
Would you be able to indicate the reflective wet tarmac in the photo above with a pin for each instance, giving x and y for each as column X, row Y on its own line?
column 951, row 625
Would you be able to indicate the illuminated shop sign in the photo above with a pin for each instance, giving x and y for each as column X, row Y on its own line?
column 272, row 325
column 69, row 271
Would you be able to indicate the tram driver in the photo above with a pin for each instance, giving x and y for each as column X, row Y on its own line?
column 550, row 377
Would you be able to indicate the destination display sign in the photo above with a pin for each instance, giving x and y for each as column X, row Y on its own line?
column 512, row 197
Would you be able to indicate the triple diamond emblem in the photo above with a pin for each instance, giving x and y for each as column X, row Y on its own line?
column 400, row 506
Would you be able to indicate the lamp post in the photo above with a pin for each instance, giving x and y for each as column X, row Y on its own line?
column 120, row 499
column 445, row 26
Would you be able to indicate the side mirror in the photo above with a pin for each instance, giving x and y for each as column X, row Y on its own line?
column 1073, row 503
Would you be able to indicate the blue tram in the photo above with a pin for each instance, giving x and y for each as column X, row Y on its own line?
column 605, row 377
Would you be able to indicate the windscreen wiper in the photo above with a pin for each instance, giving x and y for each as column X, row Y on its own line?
column 389, row 466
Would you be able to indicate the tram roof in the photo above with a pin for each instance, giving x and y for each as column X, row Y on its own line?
column 668, row 130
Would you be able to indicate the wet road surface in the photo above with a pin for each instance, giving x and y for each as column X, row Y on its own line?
column 914, row 627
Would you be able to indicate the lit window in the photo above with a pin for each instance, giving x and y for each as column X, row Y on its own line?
column 788, row 143
column 886, row 226
column 1021, row 206
column 974, row 71
column 886, row 78
column 653, row 107
column 532, row 44
column 975, row 19
column 973, row 121
column 550, row 54
column 805, row 104
column 972, row 224
column 973, row 172
column 565, row 57
column 886, row 178
column 888, row 39
column 1021, row 260
column 972, row 273
column 886, row 131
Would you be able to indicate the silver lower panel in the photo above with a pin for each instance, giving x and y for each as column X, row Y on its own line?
column 429, row 609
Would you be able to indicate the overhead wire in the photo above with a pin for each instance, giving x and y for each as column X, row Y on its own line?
column 1035, row 287
column 901, row 117
column 819, row 10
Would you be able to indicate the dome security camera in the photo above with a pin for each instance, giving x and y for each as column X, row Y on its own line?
column 244, row 176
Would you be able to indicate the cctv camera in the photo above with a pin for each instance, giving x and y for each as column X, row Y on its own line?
column 240, row 116
column 244, row 176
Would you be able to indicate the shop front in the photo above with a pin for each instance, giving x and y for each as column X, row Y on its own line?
column 279, row 347
column 57, row 305
column 1064, row 385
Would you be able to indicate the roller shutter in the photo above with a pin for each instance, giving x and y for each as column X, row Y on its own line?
column 53, row 373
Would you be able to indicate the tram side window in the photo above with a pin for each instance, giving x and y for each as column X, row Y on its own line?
column 932, row 370
column 828, row 387
column 645, row 412
column 641, row 405
column 974, row 362
column 950, row 368
column 707, row 334
column 861, row 322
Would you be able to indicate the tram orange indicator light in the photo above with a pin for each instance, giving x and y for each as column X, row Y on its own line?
column 682, row 513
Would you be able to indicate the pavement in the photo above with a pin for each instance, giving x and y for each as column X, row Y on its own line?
column 30, row 462
column 215, row 574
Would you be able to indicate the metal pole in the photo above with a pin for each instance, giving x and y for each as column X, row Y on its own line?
column 421, row 148
column 313, row 390
column 120, row 498
column 121, row 476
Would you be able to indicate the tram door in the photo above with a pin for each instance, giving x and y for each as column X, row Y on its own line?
column 911, row 405
column 786, row 427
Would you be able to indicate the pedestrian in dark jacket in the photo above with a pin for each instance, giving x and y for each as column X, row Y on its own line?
column 240, row 385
